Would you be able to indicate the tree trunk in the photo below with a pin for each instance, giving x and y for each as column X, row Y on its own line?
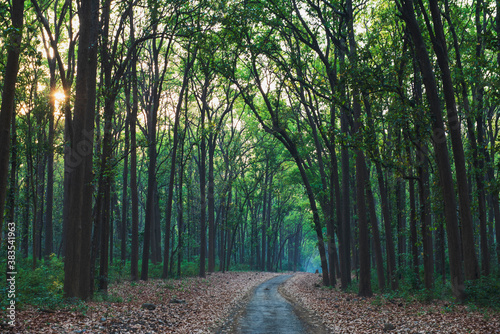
column 422, row 160
column 156, row 228
column 222, row 232
column 180, row 217
column 49, row 234
column 379, row 260
column 345, row 228
column 413, row 226
column 476, row 145
column 335, row 198
column 268, row 222
column 150, row 223
column 440, row 48
column 480, row 150
column 26, row 214
column 440, row 149
column 400, row 215
column 314, row 209
column 38, row 201
column 8, row 94
column 425, row 214
column 79, row 159
column 11, row 197
column 211, row 203
column 325, row 202
column 263, row 232
column 107, row 151
column 203, row 170
column 389, row 239
column 134, row 251
column 365, row 289
column 123, row 225
column 170, row 195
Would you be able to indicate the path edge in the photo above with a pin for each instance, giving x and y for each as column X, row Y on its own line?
column 312, row 322
column 228, row 324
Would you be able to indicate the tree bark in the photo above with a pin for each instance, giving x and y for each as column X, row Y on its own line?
column 170, row 193
column 152, row 155
column 413, row 226
column 11, row 197
column 326, row 203
column 425, row 214
column 400, row 216
column 134, row 251
column 345, row 226
column 379, row 260
column 263, row 232
column 211, row 203
column 180, row 213
column 107, row 151
column 480, row 150
column 476, row 144
column 440, row 149
column 365, row 289
column 123, row 225
column 79, row 159
column 268, row 221
column 203, row 171
column 49, row 233
column 440, row 48
column 8, row 94
column 422, row 161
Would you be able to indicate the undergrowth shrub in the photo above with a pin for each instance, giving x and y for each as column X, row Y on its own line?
column 42, row 287
column 484, row 292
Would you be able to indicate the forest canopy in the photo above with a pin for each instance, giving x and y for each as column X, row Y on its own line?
column 354, row 137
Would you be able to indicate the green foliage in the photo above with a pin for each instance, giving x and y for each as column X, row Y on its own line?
column 120, row 271
column 352, row 287
column 42, row 287
column 189, row 268
column 76, row 305
column 378, row 300
column 484, row 292
column 411, row 289
column 103, row 297
column 240, row 267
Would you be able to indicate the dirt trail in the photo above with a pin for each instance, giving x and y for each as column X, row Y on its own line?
column 269, row 312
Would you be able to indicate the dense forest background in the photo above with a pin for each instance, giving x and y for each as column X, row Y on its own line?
column 184, row 137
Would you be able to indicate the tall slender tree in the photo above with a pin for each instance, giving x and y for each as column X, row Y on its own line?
column 8, row 94
column 78, row 160
column 440, row 147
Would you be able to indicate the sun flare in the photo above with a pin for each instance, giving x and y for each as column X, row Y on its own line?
column 59, row 96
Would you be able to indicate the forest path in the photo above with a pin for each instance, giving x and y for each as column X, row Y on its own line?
column 269, row 312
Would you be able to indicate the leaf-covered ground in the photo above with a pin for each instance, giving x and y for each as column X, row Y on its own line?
column 196, row 305
column 346, row 313
column 190, row 305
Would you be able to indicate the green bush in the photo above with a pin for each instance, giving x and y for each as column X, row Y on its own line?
column 190, row 268
column 42, row 287
column 240, row 267
column 484, row 292
column 120, row 271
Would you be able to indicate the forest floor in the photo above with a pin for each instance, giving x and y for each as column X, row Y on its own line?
column 343, row 312
column 204, row 305
column 188, row 305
